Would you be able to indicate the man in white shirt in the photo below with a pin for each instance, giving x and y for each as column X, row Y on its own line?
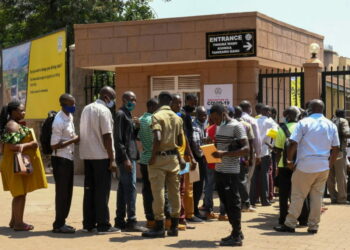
column 261, row 171
column 97, row 151
column 62, row 143
column 316, row 141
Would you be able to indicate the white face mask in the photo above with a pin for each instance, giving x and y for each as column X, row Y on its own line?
column 110, row 104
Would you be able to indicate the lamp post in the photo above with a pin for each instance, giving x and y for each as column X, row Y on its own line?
column 314, row 50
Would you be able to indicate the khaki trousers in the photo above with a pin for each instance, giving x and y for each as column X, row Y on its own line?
column 188, row 197
column 165, row 172
column 337, row 177
column 302, row 185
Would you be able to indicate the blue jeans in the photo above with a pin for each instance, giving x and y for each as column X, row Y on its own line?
column 208, row 193
column 126, row 196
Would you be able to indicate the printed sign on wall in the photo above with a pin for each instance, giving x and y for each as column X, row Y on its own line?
column 218, row 93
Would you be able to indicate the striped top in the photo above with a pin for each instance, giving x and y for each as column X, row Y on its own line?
column 146, row 137
column 226, row 135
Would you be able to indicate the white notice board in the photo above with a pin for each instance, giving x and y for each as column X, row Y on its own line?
column 217, row 93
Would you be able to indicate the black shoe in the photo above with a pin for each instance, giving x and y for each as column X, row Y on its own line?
column 284, row 229
column 230, row 236
column 120, row 225
column 133, row 227
column 343, row 202
column 266, row 204
column 174, row 231
column 194, row 219
column 64, row 230
column 232, row 241
column 156, row 232
column 312, row 231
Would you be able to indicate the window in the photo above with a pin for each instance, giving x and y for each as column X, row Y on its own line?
column 182, row 85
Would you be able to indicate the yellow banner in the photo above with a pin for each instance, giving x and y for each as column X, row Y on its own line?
column 46, row 75
column 295, row 93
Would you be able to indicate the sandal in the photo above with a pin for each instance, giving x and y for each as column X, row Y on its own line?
column 26, row 227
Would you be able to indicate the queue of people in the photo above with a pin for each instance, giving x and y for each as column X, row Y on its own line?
column 298, row 156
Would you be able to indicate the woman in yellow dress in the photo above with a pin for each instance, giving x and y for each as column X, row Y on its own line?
column 18, row 138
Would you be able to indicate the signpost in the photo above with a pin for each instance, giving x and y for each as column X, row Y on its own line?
column 230, row 44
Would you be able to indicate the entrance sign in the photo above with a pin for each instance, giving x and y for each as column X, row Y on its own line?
column 230, row 44
column 217, row 93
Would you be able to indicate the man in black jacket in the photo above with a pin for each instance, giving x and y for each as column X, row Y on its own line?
column 125, row 129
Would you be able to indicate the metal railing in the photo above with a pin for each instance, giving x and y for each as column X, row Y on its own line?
column 281, row 89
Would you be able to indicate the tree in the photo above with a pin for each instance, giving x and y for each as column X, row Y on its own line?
column 22, row 20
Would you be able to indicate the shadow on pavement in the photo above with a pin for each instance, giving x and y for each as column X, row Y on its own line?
column 126, row 238
column 194, row 244
column 266, row 221
column 5, row 231
column 274, row 233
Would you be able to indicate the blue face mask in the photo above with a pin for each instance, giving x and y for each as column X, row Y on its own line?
column 110, row 104
column 130, row 106
column 69, row 109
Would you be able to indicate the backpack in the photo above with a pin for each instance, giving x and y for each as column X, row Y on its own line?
column 287, row 133
column 46, row 132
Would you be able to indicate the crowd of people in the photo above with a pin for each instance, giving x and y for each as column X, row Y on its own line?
column 258, row 157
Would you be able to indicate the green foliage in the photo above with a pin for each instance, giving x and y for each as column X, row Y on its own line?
column 22, row 20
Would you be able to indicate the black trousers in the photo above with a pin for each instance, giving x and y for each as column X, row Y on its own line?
column 227, row 187
column 97, row 186
column 285, row 188
column 148, row 197
column 63, row 173
column 243, row 187
column 199, row 185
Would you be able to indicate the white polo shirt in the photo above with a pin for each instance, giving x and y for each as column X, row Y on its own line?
column 315, row 135
column 96, row 120
column 264, row 124
column 63, row 130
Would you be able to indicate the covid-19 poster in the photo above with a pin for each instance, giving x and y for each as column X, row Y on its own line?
column 217, row 93
column 35, row 74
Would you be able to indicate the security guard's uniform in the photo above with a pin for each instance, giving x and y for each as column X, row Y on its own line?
column 166, row 168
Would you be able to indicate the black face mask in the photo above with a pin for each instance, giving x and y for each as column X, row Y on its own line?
column 189, row 109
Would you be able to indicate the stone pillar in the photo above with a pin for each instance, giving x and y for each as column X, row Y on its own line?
column 248, row 81
column 312, row 79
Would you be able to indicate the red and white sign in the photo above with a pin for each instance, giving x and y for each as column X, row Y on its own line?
column 218, row 93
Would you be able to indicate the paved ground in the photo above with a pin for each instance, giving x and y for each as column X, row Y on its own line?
column 257, row 227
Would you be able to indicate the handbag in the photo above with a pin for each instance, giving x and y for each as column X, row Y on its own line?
column 22, row 164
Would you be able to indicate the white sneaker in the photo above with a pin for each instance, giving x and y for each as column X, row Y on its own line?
column 110, row 230
column 249, row 209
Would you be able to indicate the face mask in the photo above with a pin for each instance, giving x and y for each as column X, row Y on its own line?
column 110, row 104
column 69, row 109
column 130, row 106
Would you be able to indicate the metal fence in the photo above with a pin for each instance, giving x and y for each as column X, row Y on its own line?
column 336, row 90
column 94, row 83
column 281, row 89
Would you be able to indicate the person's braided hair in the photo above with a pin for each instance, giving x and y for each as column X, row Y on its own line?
column 6, row 112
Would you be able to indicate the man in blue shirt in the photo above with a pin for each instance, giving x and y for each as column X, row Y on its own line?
column 316, row 140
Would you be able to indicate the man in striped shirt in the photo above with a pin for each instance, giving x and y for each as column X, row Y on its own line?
column 232, row 143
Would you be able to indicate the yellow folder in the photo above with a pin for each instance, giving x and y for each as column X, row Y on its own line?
column 208, row 150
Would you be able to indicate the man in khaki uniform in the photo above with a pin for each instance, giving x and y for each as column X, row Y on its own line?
column 164, row 165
